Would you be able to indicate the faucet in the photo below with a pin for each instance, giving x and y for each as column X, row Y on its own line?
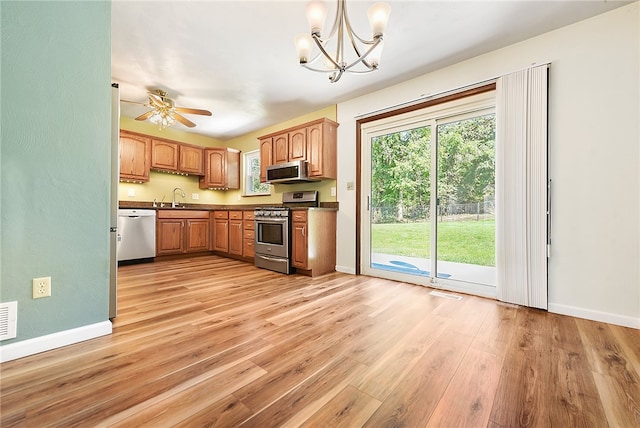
column 174, row 203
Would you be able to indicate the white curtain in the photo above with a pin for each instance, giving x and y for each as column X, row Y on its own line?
column 521, row 187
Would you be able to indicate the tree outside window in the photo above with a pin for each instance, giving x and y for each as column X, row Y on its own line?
column 252, row 185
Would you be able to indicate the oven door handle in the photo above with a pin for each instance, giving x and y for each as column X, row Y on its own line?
column 272, row 220
column 274, row 259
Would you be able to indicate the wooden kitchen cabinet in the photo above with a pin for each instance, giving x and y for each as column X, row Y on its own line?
column 322, row 150
column 191, row 160
column 197, row 235
column 314, row 142
column 248, row 248
column 221, row 169
column 135, row 157
column 266, row 157
column 236, row 239
column 221, row 231
column 299, row 240
column 182, row 231
column 298, row 145
column 281, row 148
column 290, row 146
column 313, row 241
column 164, row 155
column 169, row 236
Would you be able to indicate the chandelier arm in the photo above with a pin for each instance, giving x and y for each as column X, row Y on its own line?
column 324, row 52
column 347, row 23
column 336, row 75
column 334, row 27
column 362, row 58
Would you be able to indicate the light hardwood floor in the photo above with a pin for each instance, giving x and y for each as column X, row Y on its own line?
column 209, row 341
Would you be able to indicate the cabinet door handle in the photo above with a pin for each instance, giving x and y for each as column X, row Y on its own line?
column 304, row 230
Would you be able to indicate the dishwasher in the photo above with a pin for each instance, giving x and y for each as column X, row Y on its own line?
column 136, row 235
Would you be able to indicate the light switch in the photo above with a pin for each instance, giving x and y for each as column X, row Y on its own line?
column 351, row 185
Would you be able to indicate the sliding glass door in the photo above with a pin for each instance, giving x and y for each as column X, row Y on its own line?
column 428, row 183
column 465, row 219
column 399, row 209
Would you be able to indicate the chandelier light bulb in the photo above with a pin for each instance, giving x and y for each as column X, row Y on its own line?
column 316, row 15
column 378, row 15
column 304, row 44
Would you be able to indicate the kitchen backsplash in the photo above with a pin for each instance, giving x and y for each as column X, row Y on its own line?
column 162, row 184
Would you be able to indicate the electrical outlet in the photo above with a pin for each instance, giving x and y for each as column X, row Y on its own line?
column 131, row 192
column 333, row 191
column 195, row 196
column 41, row 287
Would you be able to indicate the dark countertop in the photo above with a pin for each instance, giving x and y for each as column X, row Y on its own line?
column 209, row 207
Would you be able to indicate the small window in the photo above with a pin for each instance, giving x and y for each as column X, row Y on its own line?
column 252, row 185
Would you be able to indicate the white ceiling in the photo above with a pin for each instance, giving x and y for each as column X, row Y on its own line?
column 237, row 58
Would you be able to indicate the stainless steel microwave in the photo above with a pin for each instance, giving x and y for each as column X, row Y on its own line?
column 290, row 172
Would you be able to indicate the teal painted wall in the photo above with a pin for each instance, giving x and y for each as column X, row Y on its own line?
column 55, row 175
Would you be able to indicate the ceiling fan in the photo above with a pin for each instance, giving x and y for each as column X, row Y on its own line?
column 164, row 112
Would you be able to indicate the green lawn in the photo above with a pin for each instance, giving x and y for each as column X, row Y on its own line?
column 470, row 242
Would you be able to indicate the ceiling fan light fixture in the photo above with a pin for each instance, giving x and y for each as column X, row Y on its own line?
column 332, row 48
column 163, row 118
column 165, row 113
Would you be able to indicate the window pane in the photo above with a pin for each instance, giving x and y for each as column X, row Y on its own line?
column 252, row 175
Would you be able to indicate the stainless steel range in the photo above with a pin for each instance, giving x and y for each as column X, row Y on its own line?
column 273, row 231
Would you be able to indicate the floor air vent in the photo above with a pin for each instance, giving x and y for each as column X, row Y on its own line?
column 445, row 295
column 8, row 320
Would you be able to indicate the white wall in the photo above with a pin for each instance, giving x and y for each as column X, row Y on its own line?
column 594, row 271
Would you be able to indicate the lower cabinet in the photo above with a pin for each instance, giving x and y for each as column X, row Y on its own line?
column 248, row 248
column 169, row 236
column 197, row 235
column 230, row 234
column 182, row 231
column 235, row 233
column 221, row 231
column 313, row 241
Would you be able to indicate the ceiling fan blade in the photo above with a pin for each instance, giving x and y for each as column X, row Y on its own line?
column 133, row 102
column 146, row 115
column 183, row 120
column 193, row 111
column 156, row 100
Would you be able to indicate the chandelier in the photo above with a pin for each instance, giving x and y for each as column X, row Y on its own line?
column 366, row 53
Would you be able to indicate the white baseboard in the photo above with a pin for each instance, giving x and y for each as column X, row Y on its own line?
column 48, row 342
column 592, row 315
column 346, row 269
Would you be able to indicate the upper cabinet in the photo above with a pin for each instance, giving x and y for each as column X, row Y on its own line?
column 191, row 160
column 314, row 142
column 298, row 145
column 140, row 153
column 221, row 169
column 321, row 149
column 280, row 148
column 174, row 157
column 266, row 157
column 164, row 155
column 135, row 157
